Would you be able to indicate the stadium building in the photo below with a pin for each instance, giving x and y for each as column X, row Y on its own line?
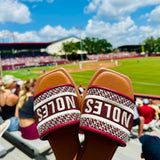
column 56, row 46
column 16, row 55
column 130, row 48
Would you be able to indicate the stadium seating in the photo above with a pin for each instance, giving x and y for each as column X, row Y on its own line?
column 33, row 148
column 2, row 150
column 20, row 60
column 109, row 56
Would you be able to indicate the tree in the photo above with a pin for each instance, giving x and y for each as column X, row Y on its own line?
column 103, row 46
column 69, row 48
column 87, row 45
column 150, row 45
column 96, row 46
column 91, row 45
column 157, row 45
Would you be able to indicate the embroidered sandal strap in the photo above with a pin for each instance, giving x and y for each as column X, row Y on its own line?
column 108, row 112
column 56, row 107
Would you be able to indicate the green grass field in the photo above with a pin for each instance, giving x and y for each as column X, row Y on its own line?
column 145, row 75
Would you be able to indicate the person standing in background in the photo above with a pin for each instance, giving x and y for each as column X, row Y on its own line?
column 44, row 70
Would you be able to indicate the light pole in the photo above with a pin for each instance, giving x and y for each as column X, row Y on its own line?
column 81, row 46
column 1, row 73
column 81, row 50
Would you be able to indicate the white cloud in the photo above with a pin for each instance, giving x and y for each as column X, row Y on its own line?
column 53, row 31
column 33, row 0
column 154, row 15
column 46, row 34
column 93, row 5
column 121, row 32
column 124, row 31
column 6, row 34
column 30, row 36
column 58, row 31
column 116, row 9
column 148, row 31
column 116, row 32
column 50, row 1
column 155, row 32
column 13, row 11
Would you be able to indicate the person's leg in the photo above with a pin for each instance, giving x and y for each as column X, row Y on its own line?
column 158, row 124
column 140, row 131
column 146, row 126
column 1, row 119
column 14, row 125
column 4, row 126
column 152, row 124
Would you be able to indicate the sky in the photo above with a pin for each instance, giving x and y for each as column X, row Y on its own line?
column 121, row 22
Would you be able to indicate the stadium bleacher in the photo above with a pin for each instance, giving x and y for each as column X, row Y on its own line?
column 14, row 61
column 109, row 56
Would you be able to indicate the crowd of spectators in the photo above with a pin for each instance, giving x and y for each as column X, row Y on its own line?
column 110, row 56
column 18, row 60
column 27, row 60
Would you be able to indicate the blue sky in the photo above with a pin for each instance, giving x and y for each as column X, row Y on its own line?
column 121, row 22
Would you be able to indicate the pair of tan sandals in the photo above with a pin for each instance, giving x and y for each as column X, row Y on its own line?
column 104, row 114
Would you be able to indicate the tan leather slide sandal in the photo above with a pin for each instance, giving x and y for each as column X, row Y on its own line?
column 107, row 114
column 56, row 107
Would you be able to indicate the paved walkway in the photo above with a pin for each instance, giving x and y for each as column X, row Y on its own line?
column 131, row 152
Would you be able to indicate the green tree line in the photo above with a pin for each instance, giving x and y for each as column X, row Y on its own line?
column 89, row 45
column 100, row 46
column 152, row 45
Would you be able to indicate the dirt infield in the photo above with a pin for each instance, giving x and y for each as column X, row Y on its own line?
column 86, row 66
column 91, row 66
